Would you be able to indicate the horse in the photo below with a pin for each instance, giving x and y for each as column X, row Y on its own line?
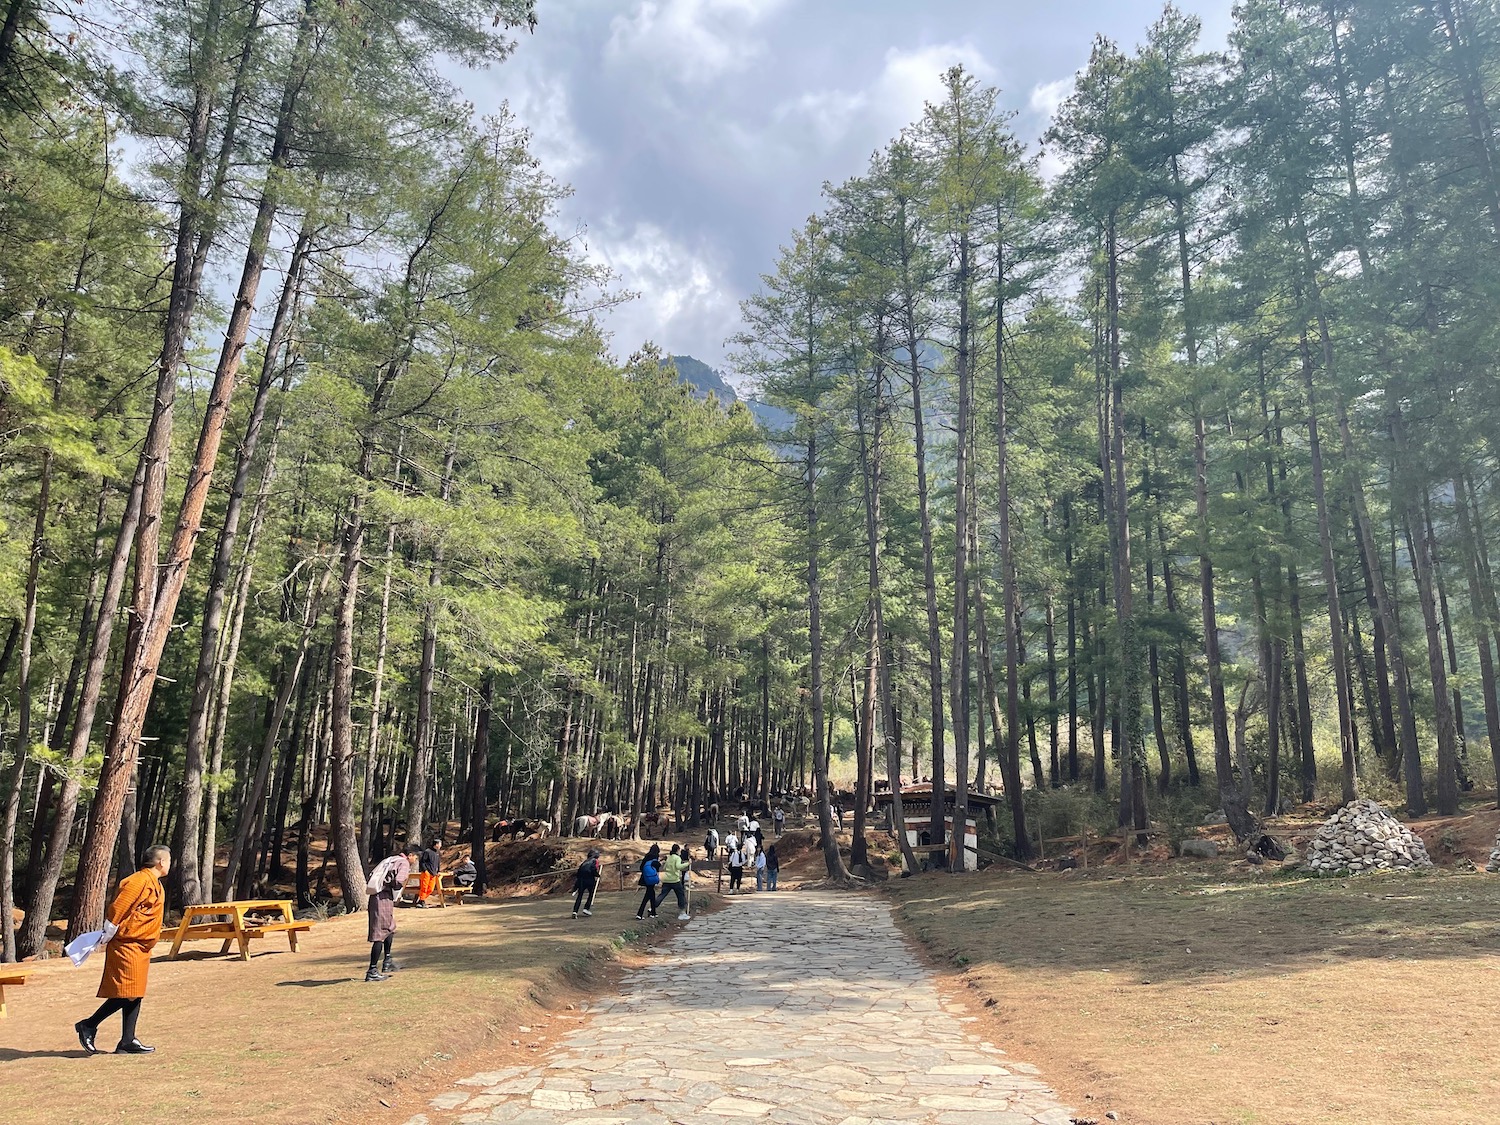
column 657, row 818
column 609, row 826
column 512, row 828
column 542, row 829
column 586, row 825
column 713, row 813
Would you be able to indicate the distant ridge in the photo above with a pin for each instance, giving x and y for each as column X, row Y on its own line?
column 705, row 381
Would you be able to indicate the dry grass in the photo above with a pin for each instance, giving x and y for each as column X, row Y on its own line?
column 1188, row 997
column 300, row 1037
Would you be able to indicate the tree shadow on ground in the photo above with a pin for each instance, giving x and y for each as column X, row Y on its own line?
column 1198, row 924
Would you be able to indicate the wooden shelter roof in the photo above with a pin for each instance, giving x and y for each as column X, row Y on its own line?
column 924, row 793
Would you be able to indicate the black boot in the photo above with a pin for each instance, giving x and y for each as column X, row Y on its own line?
column 133, row 1047
column 86, row 1032
column 373, row 974
column 389, row 966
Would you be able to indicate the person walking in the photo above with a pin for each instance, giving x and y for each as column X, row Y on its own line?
column 778, row 820
column 585, row 883
column 760, row 871
column 429, row 864
column 736, row 868
column 651, row 880
column 386, row 884
column 673, row 876
column 711, row 844
column 773, row 866
column 136, row 914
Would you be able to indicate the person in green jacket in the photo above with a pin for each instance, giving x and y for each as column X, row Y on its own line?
column 672, row 872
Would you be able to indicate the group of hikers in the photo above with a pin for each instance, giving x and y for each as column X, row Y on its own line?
column 745, row 846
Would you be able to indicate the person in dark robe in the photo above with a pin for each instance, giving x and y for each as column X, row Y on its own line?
column 137, row 912
column 386, row 884
column 466, row 874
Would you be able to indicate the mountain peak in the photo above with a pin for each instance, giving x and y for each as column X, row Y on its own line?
column 702, row 378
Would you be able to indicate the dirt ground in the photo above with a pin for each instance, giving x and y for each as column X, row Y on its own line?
column 1185, row 995
column 301, row 1037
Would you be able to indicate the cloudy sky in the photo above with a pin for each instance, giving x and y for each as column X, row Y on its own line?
column 697, row 134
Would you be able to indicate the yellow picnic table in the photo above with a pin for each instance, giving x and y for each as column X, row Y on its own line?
column 230, row 924
column 12, row 977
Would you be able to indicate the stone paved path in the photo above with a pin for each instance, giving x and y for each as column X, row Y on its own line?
column 799, row 1007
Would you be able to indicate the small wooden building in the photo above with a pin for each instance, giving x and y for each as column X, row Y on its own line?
column 916, row 809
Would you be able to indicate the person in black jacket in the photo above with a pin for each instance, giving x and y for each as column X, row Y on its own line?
column 585, row 883
column 429, row 864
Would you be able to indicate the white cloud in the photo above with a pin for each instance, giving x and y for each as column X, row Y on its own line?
column 1048, row 97
column 911, row 79
column 907, row 81
column 541, row 104
column 682, row 303
column 693, row 41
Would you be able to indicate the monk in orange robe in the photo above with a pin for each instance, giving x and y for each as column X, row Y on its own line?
column 137, row 912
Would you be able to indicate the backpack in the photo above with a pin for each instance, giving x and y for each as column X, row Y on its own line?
column 650, row 876
column 383, row 875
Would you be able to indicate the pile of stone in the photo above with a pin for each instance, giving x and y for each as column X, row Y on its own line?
column 1494, row 863
column 1362, row 836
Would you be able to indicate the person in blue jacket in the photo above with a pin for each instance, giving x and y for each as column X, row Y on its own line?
column 651, row 880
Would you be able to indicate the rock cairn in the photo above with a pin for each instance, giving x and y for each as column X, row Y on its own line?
column 1362, row 836
column 1494, row 863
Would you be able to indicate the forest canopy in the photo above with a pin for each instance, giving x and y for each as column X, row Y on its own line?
column 1171, row 471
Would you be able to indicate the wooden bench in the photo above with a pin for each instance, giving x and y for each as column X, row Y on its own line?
column 235, row 929
column 11, row 978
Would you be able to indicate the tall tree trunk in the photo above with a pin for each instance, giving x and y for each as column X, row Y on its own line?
column 191, row 885
column 147, row 635
column 929, row 580
column 416, row 793
column 1236, row 808
column 883, row 715
column 222, row 696
column 959, row 666
column 832, row 860
column 1010, row 755
column 479, row 761
column 372, row 741
column 1442, row 706
column 1132, row 750
column 1073, row 668
column 249, row 814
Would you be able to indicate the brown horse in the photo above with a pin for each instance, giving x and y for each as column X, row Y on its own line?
column 660, row 819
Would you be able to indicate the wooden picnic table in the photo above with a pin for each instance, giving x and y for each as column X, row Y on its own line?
column 12, row 977
column 230, row 924
column 443, row 890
